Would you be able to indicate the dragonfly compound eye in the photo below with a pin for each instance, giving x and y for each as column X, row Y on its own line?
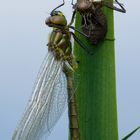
column 56, row 20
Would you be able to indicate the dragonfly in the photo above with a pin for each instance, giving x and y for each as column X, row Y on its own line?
column 94, row 21
column 54, row 85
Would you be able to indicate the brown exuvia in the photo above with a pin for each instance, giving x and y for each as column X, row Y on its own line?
column 94, row 22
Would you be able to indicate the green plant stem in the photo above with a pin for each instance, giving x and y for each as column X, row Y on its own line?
column 96, row 93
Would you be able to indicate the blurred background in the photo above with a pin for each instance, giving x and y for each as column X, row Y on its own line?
column 23, row 39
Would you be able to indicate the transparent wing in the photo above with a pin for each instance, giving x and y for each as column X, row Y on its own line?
column 47, row 102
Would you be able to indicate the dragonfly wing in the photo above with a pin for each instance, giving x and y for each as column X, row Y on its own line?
column 47, row 102
column 55, row 107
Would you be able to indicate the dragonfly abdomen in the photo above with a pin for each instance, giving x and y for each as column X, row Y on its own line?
column 73, row 114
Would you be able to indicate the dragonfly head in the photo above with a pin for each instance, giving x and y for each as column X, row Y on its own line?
column 56, row 19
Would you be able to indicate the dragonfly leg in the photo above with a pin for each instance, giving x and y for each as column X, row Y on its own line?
column 83, row 34
column 58, row 7
column 85, row 47
column 72, row 3
column 109, row 39
column 72, row 19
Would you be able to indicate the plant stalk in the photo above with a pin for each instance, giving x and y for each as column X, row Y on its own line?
column 96, row 93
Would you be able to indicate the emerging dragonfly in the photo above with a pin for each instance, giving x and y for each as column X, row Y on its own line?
column 53, row 88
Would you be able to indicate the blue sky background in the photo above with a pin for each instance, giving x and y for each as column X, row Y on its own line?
column 23, row 39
